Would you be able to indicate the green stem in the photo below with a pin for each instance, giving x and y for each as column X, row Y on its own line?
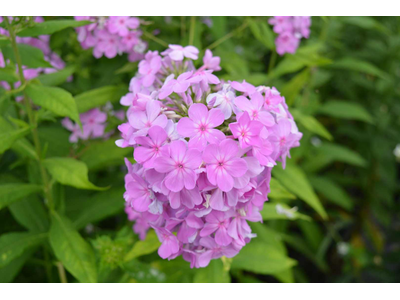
column 155, row 39
column 272, row 61
column 192, row 30
column 61, row 272
column 228, row 36
column 31, row 118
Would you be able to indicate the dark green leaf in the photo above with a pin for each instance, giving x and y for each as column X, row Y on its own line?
column 346, row 110
column 12, row 269
column 215, row 272
column 12, row 192
column 8, row 74
column 13, row 244
column 31, row 214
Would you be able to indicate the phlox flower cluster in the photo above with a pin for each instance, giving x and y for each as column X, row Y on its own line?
column 110, row 36
column 290, row 30
column 204, row 151
column 94, row 123
column 43, row 43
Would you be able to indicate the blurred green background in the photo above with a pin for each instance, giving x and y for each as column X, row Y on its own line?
column 343, row 88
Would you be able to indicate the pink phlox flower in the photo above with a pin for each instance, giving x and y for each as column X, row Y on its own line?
column 255, row 109
column 301, row 26
column 246, row 130
column 74, row 128
column 107, row 44
column 286, row 43
column 223, row 100
column 142, row 121
column 93, row 123
column 217, row 222
column 211, row 62
column 177, row 52
column 243, row 87
column 149, row 69
column 281, row 24
column 179, row 85
column 169, row 243
column 214, row 251
column 150, row 146
column 138, row 194
column 222, row 164
column 121, row 25
column 199, row 127
column 179, row 163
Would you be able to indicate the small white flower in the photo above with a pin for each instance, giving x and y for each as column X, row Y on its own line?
column 289, row 213
column 343, row 248
column 396, row 151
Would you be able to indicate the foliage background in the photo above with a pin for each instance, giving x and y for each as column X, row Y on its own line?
column 343, row 87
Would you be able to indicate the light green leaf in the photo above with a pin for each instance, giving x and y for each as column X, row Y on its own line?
column 276, row 211
column 31, row 57
column 49, row 27
column 311, row 124
column 278, row 191
column 147, row 246
column 354, row 64
column 263, row 33
column 24, row 148
column 71, row 172
column 54, row 99
column 294, row 179
column 12, row 192
column 99, row 207
column 56, row 78
column 31, row 214
column 8, row 74
column 346, row 110
column 98, row 97
column 71, row 249
column 292, row 89
column 332, row 192
column 262, row 258
column 213, row 273
column 103, row 154
column 13, row 244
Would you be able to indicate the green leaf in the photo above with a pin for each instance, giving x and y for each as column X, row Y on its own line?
column 278, row 191
column 354, row 64
column 346, row 110
column 294, row 179
column 263, row 33
column 56, row 78
column 332, row 192
column 31, row 214
column 8, row 273
column 49, row 27
column 147, row 246
column 24, row 148
column 71, row 249
column 262, row 258
column 305, row 57
column 337, row 152
column 364, row 22
column 312, row 124
column 98, row 207
column 31, row 57
column 12, row 192
column 98, row 97
column 103, row 154
column 54, row 99
column 272, row 211
column 13, row 244
column 8, row 74
column 71, row 172
column 293, row 88
column 213, row 273
column 8, row 135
